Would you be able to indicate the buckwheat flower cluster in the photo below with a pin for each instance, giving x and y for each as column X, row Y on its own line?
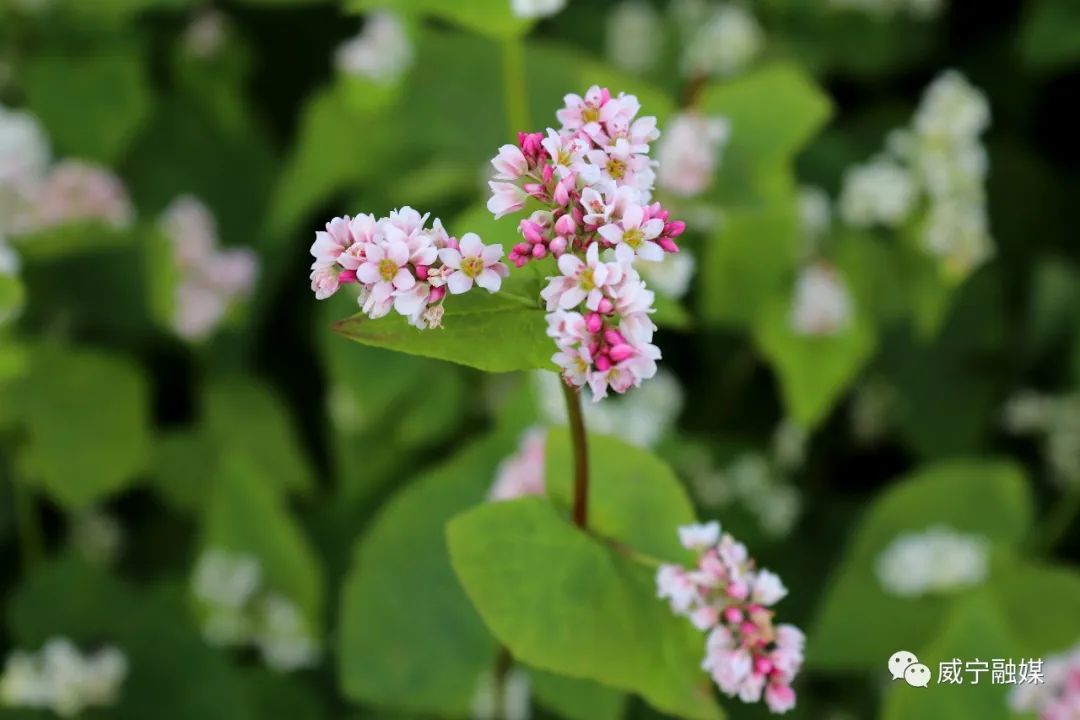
column 72, row 192
column 941, row 161
column 1058, row 698
column 381, row 52
column 24, row 160
column 725, row 594
column 936, row 560
column 211, row 280
column 822, row 304
column 633, row 44
column 755, row 481
column 522, row 473
column 402, row 265
column 689, row 152
column 62, row 679
column 238, row 611
column 594, row 179
column 719, row 41
column 1055, row 419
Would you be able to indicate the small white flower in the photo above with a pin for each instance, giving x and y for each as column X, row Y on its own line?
column 880, row 192
column 935, row 561
column 672, row 275
column 473, row 262
column 952, row 108
column 282, row 636
column 822, row 304
column 62, row 679
column 24, row 159
column 689, row 152
column 699, row 537
column 530, row 9
column 226, row 579
column 728, row 41
column 97, row 536
column 633, row 38
column 381, row 52
column 205, row 36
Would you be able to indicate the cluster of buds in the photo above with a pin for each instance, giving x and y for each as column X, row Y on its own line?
column 594, row 179
column 725, row 594
column 401, row 264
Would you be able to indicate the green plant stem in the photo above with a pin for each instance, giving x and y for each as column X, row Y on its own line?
column 579, row 441
column 28, row 525
column 1058, row 521
column 517, row 101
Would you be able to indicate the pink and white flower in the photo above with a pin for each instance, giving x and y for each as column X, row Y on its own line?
column 727, row 596
column 385, row 269
column 474, row 262
column 634, row 236
column 522, row 474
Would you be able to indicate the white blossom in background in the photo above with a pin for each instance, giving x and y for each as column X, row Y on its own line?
column 689, row 151
column 815, row 217
column 205, row 35
column 727, row 40
column 530, row 9
column 74, row 191
column 522, row 473
column 282, row 635
column 633, row 43
column 672, row 275
column 755, row 482
column 933, row 561
column 97, row 536
column 514, row 703
column 918, row 9
column 880, row 192
column 822, row 304
column 641, row 418
column 237, row 610
column 62, row 679
column 1055, row 419
column 9, row 259
column 953, row 109
column 381, row 52
column 789, row 445
column 1058, row 696
column 958, row 233
column 211, row 280
column 24, row 160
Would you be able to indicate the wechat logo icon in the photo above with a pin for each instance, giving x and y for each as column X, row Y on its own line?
column 903, row 665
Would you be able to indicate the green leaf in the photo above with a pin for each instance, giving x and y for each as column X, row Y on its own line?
column 576, row 699
column 183, row 468
column 247, row 514
column 975, row 629
column 814, row 371
column 634, row 497
column 1039, row 601
column 497, row 332
column 561, row 601
column 12, row 298
column 773, row 112
column 86, row 418
column 747, row 262
column 388, row 647
column 92, row 104
column 486, row 17
column 850, row 631
column 247, row 418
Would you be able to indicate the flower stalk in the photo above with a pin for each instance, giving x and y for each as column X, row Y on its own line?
column 579, row 442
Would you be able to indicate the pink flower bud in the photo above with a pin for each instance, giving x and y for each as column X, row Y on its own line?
column 531, row 231
column 522, row 248
column 602, row 362
column 562, row 194
column 547, row 173
column 452, row 243
column 605, row 96
column 422, row 272
column 614, row 337
column 539, row 251
column 565, row 225
column 621, row 352
column 436, row 294
column 594, row 348
column 733, row 615
column 347, row 276
column 763, row 665
column 738, row 590
column 605, row 307
column 594, row 323
column 667, row 245
column 675, row 228
column 558, row 245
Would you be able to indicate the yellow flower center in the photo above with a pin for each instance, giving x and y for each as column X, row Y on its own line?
column 587, row 282
column 616, row 168
column 387, row 269
column 472, row 266
column 633, row 238
column 591, row 114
